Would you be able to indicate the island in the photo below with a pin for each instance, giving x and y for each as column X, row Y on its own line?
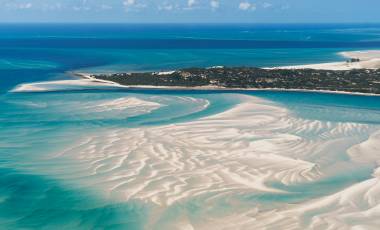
column 353, row 80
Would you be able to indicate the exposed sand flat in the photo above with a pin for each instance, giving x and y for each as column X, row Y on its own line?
column 368, row 60
column 124, row 103
column 220, row 160
column 357, row 207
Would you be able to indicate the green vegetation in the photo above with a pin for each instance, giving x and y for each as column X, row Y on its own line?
column 358, row 80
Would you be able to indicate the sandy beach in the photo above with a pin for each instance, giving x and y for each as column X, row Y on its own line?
column 368, row 60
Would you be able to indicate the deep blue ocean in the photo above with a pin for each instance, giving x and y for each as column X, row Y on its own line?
column 39, row 192
column 38, row 52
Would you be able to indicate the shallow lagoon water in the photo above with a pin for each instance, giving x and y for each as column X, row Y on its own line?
column 35, row 202
column 36, row 127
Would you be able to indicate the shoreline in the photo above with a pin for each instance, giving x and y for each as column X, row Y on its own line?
column 86, row 79
column 216, row 88
column 369, row 58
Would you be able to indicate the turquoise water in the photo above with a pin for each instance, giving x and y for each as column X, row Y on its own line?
column 36, row 202
column 39, row 190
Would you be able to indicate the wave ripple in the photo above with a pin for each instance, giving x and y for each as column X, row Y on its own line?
column 241, row 168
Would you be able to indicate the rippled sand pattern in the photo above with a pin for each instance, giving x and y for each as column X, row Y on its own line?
column 236, row 170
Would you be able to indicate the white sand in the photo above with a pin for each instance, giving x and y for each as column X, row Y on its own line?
column 218, row 159
column 125, row 103
column 165, row 72
column 63, row 85
column 369, row 60
column 164, row 164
